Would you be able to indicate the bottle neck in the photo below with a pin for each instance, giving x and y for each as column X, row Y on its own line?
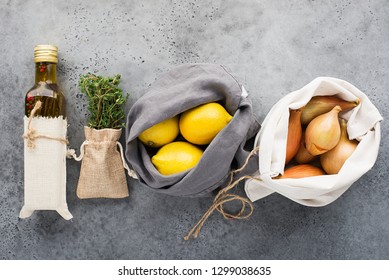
column 45, row 72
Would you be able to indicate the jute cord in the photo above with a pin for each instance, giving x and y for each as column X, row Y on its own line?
column 224, row 197
column 130, row 172
column 31, row 135
column 71, row 153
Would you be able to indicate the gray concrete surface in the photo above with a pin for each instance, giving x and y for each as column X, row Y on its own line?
column 274, row 47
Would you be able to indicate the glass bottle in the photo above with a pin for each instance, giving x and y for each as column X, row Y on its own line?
column 46, row 89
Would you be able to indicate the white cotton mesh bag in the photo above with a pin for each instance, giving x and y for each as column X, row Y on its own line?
column 363, row 125
column 45, row 166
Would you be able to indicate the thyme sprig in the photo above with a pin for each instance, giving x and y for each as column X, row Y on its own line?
column 105, row 99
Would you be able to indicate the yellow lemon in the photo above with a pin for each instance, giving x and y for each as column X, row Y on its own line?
column 161, row 133
column 176, row 157
column 201, row 124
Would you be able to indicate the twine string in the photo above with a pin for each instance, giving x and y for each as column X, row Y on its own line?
column 224, row 197
column 130, row 171
column 31, row 135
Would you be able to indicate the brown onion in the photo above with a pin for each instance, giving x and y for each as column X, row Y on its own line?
column 303, row 156
column 301, row 171
column 333, row 160
column 294, row 134
column 319, row 105
column 323, row 132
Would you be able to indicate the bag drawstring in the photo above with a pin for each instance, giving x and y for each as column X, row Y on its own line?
column 130, row 171
column 224, row 197
column 71, row 153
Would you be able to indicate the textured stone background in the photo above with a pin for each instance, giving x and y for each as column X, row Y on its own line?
column 274, row 47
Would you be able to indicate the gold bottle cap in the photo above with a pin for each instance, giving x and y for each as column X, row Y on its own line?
column 46, row 53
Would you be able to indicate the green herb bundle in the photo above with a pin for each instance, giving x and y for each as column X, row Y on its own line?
column 105, row 100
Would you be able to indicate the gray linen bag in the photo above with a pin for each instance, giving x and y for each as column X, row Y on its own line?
column 183, row 88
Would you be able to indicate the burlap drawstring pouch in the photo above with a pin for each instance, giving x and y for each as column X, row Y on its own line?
column 103, row 165
column 44, row 165
column 363, row 124
column 182, row 88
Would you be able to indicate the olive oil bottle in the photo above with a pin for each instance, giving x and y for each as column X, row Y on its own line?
column 46, row 89
column 45, row 139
